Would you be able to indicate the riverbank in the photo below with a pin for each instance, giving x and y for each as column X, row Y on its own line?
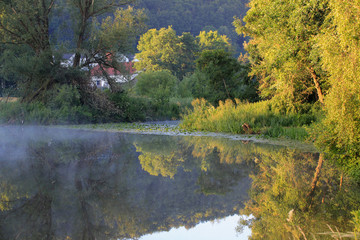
column 173, row 128
column 250, row 118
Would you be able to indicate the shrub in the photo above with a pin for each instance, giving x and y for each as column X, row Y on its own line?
column 230, row 116
column 159, row 86
column 63, row 107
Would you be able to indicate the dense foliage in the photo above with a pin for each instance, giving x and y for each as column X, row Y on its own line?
column 338, row 134
column 194, row 16
column 226, row 77
column 190, row 16
column 163, row 50
column 302, row 57
column 282, row 51
column 307, row 51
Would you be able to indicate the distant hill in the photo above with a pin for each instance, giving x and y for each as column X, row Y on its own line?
column 184, row 15
column 196, row 15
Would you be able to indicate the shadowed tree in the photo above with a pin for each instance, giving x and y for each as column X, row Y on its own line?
column 25, row 24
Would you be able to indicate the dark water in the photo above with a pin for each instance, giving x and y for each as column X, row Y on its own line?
column 71, row 184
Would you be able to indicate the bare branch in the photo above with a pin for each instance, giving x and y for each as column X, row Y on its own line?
column 50, row 7
column 111, row 5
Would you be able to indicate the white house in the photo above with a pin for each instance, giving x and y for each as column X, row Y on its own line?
column 126, row 75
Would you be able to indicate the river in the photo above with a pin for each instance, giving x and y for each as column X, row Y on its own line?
column 78, row 184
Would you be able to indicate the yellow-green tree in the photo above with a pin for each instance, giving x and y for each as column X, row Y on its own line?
column 163, row 50
column 211, row 40
column 339, row 133
column 282, row 50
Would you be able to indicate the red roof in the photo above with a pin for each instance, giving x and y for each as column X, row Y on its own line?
column 129, row 69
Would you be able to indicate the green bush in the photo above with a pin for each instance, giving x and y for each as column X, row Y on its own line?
column 142, row 108
column 132, row 108
column 66, row 106
column 197, row 84
column 63, row 107
column 159, row 86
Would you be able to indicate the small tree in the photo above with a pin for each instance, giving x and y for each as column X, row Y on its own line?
column 160, row 85
column 164, row 50
column 212, row 40
column 225, row 76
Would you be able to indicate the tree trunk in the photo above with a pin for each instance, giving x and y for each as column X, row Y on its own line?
column 317, row 85
column 227, row 91
column 341, row 180
column 114, row 86
column 79, row 44
column 315, row 180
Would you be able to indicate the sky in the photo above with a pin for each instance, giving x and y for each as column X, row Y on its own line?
column 212, row 230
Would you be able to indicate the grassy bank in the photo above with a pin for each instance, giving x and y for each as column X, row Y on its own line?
column 229, row 117
column 246, row 118
column 65, row 107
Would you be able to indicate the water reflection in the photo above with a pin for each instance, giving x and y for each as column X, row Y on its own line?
column 299, row 196
column 57, row 184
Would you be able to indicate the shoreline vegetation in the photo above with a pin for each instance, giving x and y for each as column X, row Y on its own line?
column 236, row 120
column 248, row 118
column 174, row 128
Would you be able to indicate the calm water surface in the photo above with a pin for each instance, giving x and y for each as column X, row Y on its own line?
column 72, row 184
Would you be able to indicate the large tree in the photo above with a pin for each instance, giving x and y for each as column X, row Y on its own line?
column 158, row 50
column 113, row 36
column 25, row 25
column 99, row 42
column 340, row 47
column 85, row 11
column 282, row 50
column 26, row 22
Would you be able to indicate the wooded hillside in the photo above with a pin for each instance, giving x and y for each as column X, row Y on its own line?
column 184, row 16
column 196, row 15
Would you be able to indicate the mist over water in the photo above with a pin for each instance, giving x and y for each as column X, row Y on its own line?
column 82, row 184
column 15, row 140
column 75, row 184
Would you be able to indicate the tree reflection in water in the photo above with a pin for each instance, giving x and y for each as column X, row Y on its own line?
column 298, row 195
column 83, row 185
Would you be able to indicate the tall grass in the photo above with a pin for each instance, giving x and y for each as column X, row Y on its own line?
column 231, row 116
column 38, row 113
